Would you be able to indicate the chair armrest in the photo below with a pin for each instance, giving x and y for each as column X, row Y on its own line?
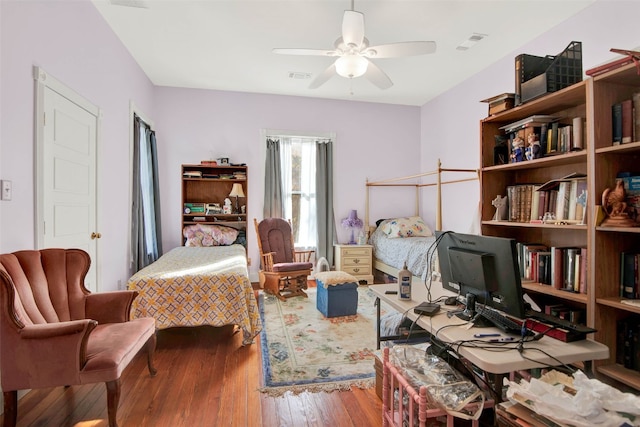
column 303, row 256
column 109, row 307
column 62, row 344
column 52, row 330
column 267, row 261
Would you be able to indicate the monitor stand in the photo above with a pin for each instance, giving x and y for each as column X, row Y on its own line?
column 469, row 313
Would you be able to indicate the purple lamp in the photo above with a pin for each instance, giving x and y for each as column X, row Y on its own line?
column 352, row 221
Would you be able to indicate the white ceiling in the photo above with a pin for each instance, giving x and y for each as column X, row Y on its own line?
column 226, row 44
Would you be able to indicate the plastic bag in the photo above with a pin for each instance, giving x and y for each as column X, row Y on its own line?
column 447, row 388
column 580, row 402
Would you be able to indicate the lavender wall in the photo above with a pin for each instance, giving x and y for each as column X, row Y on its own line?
column 450, row 123
column 373, row 141
column 71, row 41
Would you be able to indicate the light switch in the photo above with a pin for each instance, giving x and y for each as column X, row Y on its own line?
column 6, row 190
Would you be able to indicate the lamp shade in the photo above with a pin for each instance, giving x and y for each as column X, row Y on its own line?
column 352, row 221
column 236, row 191
column 351, row 66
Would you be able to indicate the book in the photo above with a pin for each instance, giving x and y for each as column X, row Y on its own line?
column 583, row 270
column 636, row 116
column 569, row 273
column 628, row 268
column 627, row 121
column 553, row 146
column 529, row 122
column 616, row 124
column 557, row 267
column 578, row 133
column 562, row 204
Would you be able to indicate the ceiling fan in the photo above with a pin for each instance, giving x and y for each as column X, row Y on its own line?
column 354, row 53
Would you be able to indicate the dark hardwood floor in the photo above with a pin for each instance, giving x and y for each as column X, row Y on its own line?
column 205, row 378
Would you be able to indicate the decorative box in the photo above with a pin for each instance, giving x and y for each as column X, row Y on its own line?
column 337, row 300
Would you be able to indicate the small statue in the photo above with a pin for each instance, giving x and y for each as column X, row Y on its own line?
column 517, row 150
column 615, row 207
column 500, row 204
column 227, row 206
column 533, row 149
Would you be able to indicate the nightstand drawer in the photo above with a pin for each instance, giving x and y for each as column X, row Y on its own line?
column 357, row 270
column 351, row 261
column 356, row 251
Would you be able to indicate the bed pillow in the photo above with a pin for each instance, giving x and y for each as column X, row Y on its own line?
column 209, row 235
column 412, row 226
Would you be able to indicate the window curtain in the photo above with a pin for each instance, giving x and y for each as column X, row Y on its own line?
column 146, row 237
column 273, row 191
column 326, row 227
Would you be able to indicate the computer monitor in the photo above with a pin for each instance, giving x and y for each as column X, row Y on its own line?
column 484, row 266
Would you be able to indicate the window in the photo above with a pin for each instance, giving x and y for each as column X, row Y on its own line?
column 299, row 188
column 298, row 185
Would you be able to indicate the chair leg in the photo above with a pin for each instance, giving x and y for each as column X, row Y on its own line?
column 151, row 348
column 10, row 408
column 113, row 398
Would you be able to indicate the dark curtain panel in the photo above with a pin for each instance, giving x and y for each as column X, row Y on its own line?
column 324, row 200
column 146, row 238
column 273, row 200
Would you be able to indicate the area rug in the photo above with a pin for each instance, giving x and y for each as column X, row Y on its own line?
column 304, row 351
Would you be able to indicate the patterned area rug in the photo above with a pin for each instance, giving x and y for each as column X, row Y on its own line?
column 304, row 351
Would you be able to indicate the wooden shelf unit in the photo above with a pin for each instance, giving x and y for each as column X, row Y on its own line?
column 606, row 162
column 600, row 161
column 208, row 189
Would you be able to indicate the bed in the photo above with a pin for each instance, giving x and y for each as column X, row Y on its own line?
column 408, row 238
column 193, row 286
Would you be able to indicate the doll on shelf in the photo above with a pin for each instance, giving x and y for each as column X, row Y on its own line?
column 517, row 150
column 227, row 206
column 533, row 150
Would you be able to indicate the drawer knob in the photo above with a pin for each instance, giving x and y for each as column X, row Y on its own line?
column 356, row 270
column 356, row 260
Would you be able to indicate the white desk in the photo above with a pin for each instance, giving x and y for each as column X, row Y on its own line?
column 504, row 358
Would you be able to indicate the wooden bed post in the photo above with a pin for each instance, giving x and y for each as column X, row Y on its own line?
column 366, row 209
column 439, row 198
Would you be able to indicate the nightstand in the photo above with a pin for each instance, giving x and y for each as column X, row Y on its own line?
column 356, row 260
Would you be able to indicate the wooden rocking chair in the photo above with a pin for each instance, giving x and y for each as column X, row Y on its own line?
column 284, row 270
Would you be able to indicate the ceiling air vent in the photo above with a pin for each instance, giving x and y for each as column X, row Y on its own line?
column 299, row 75
column 473, row 39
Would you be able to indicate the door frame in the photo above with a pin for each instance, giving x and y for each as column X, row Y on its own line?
column 43, row 80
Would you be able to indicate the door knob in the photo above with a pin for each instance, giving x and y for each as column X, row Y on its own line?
column 95, row 235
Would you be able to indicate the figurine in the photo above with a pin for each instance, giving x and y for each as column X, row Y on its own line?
column 227, row 206
column 533, row 150
column 615, row 207
column 500, row 204
column 517, row 151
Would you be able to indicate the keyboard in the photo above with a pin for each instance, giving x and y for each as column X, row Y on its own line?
column 501, row 321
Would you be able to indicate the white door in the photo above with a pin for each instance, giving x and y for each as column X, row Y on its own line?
column 67, row 174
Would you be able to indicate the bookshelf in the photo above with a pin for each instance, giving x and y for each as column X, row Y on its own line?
column 206, row 185
column 592, row 100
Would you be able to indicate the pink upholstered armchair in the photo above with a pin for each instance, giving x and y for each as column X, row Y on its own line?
column 54, row 332
column 284, row 270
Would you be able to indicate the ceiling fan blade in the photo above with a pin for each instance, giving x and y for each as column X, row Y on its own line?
column 322, row 78
column 353, row 28
column 313, row 52
column 377, row 76
column 395, row 50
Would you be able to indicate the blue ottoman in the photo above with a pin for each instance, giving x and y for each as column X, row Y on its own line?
column 337, row 294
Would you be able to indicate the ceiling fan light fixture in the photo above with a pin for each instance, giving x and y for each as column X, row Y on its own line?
column 351, row 66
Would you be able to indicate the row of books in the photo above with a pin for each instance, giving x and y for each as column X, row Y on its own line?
column 566, row 202
column 625, row 120
column 554, row 135
column 560, row 268
column 577, row 316
column 628, row 343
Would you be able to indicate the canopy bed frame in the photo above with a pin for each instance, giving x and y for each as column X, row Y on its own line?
column 402, row 182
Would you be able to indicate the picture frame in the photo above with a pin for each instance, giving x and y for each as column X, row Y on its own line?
column 223, row 161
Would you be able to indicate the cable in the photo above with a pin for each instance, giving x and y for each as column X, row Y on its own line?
column 430, row 263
